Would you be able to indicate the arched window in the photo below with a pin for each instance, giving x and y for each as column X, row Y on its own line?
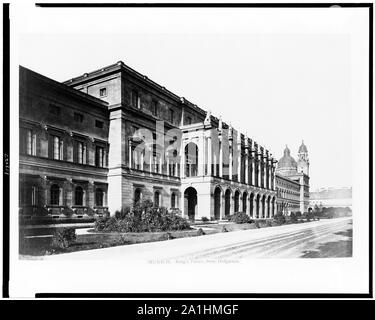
column 78, row 196
column 99, row 197
column 55, row 195
column 157, row 199
column 191, row 160
column 173, row 200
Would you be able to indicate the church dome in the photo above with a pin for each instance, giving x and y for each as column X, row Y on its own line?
column 302, row 148
column 287, row 164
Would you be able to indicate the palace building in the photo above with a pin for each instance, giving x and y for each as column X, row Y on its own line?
column 104, row 140
column 292, row 181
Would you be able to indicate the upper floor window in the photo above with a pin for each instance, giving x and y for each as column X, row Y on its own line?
column 99, row 124
column 80, row 152
column 78, row 117
column 135, row 99
column 171, row 115
column 28, row 142
column 53, row 109
column 99, row 156
column 154, row 106
column 103, row 92
column 57, row 148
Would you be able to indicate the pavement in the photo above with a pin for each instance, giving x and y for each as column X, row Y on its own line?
column 324, row 238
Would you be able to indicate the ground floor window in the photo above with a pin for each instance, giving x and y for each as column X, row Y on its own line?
column 79, row 196
column 99, row 197
column 157, row 199
column 55, row 195
column 173, row 200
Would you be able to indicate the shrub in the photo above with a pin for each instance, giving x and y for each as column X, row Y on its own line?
column 269, row 223
column 240, row 217
column 205, row 219
column 279, row 218
column 144, row 217
column 223, row 229
column 63, row 237
column 293, row 218
column 256, row 223
column 200, row 232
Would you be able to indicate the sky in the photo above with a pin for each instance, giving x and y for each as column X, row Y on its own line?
column 279, row 80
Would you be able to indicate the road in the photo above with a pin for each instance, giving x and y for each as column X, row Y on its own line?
column 317, row 239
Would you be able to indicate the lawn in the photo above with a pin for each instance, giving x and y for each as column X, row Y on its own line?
column 37, row 241
column 40, row 244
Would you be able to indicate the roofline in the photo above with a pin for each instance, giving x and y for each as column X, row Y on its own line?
column 72, row 91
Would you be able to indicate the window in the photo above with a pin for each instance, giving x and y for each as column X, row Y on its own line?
column 78, row 196
column 57, row 148
column 28, row 142
column 157, row 199
column 55, row 110
column 135, row 99
column 28, row 195
column 188, row 120
column 78, row 117
column 173, row 200
column 99, row 197
column 171, row 115
column 99, row 124
column 137, row 195
column 99, row 156
column 55, row 195
column 80, row 152
column 103, row 92
column 154, row 106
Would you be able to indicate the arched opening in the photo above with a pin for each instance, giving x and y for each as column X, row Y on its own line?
column 273, row 207
column 191, row 202
column 217, row 203
column 236, row 201
column 137, row 195
column 191, row 160
column 157, row 198
column 55, row 195
column 227, row 202
column 257, row 206
column 78, row 196
column 263, row 206
column 99, row 197
column 244, row 202
column 173, row 200
column 269, row 207
column 252, row 205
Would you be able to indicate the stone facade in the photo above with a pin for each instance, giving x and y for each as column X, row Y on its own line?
column 63, row 150
column 116, row 131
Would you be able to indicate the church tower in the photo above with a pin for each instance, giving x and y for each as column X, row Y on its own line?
column 303, row 160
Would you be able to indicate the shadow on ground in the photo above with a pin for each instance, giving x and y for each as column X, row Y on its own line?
column 335, row 249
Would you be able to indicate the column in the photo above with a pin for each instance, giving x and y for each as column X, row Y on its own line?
column 261, row 207
column 221, row 156
column 247, row 166
column 168, row 170
column 230, row 160
column 239, row 158
column 209, row 156
column 259, row 170
column 130, row 155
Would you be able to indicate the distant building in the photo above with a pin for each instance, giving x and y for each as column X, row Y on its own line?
column 292, row 182
column 331, row 197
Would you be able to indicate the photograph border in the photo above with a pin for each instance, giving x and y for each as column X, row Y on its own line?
column 6, row 160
